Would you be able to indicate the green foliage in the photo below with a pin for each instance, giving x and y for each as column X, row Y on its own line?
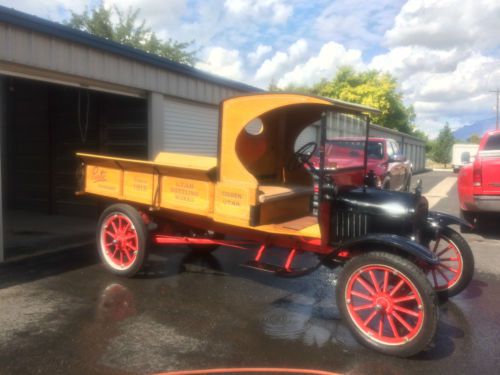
column 441, row 150
column 371, row 88
column 420, row 134
column 130, row 31
column 374, row 89
column 474, row 138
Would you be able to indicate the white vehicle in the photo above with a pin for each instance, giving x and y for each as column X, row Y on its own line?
column 463, row 154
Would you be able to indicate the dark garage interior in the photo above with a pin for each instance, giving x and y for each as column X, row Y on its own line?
column 45, row 125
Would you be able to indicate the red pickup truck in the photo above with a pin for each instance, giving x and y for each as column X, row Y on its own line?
column 479, row 182
column 392, row 169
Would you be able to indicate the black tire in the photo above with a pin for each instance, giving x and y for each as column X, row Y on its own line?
column 469, row 217
column 205, row 249
column 137, row 253
column 462, row 251
column 415, row 284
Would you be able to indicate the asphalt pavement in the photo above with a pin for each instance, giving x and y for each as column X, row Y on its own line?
column 65, row 314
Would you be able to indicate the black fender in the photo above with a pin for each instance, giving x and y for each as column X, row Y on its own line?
column 439, row 220
column 393, row 241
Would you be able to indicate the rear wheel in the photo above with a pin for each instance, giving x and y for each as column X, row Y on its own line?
column 456, row 263
column 388, row 303
column 122, row 239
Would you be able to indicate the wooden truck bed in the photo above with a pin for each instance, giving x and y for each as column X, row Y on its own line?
column 187, row 183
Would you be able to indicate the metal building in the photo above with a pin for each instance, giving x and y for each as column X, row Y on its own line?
column 62, row 91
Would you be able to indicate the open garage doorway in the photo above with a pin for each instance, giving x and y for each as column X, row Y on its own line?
column 44, row 126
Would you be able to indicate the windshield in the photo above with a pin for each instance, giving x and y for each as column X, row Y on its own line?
column 354, row 148
column 493, row 143
column 345, row 142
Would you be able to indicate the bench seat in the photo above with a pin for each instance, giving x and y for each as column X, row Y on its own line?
column 269, row 193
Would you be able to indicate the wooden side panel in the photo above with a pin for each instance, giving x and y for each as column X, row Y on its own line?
column 284, row 209
column 188, row 195
column 103, row 181
column 234, row 201
column 139, row 187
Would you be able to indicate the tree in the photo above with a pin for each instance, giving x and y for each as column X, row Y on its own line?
column 428, row 143
column 371, row 88
column 130, row 31
column 474, row 138
column 443, row 145
column 374, row 89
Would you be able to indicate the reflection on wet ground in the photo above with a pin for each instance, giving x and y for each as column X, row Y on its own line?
column 188, row 311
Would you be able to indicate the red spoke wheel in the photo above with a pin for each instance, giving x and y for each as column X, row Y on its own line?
column 456, row 263
column 388, row 303
column 122, row 239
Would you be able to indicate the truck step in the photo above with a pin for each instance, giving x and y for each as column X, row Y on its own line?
column 277, row 270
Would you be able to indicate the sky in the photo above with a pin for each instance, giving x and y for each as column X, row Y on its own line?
column 444, row 53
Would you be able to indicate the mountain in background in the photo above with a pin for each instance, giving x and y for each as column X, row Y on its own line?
column 479, row 128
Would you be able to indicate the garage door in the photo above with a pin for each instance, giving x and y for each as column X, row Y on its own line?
column 190, row 128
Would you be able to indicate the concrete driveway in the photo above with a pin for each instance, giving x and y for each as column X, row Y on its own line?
column 64, row 314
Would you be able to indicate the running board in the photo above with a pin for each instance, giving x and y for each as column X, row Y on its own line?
column 278, row 270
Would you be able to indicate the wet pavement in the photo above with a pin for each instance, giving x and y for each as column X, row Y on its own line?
column 63, row 313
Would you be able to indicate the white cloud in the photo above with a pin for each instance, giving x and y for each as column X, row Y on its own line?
column 357, row 23
column 261, row 51
column 297, row 50
column 459, row 96
column 406, row 61
column 281, row 61
column 275, row 11
column 324, row 65
column 55, row 10
column 157, row 13
column 470, row 81
column 446, row 24
column 223, row 62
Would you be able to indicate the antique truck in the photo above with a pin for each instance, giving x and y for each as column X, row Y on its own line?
column 396, row 255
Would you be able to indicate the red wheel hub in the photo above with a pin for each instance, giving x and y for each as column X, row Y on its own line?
column 119, row 241
column 447, row 273
column 384, row 304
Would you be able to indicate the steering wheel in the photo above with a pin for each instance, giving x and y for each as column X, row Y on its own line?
column 302, row 156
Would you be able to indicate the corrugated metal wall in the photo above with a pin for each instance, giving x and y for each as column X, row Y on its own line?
column 29, row 53
column 190, row 128
column 309, row 134
column 412, row 147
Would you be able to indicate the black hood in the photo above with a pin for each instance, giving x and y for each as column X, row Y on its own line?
column 373, row 201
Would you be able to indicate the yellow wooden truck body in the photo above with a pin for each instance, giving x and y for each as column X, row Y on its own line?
column 248, row 185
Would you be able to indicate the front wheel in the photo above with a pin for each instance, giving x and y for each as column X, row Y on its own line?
column 122, row 239
column 469, row 217
column 388, row 303
column 456, row 263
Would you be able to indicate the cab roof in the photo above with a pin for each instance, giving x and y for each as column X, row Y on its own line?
column 284, row 116
column 341, row 105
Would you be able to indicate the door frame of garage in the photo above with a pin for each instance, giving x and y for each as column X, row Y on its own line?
column 3, row 88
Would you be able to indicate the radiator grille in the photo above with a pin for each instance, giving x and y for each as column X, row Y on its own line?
column 350, row 224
